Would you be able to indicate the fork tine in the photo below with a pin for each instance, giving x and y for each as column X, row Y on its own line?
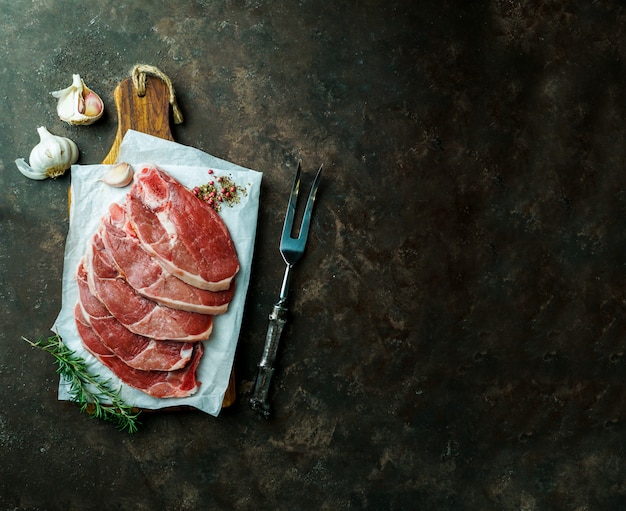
column 291, row 207
column 306, row 219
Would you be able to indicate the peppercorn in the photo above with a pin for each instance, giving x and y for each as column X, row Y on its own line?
column 228, row 193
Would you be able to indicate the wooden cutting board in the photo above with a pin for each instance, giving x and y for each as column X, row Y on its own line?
column 149, row 114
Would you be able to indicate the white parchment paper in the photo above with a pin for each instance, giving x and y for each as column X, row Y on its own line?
column 90, row 199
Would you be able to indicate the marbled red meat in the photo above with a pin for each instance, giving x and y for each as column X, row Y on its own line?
column 186, row 235
column 137, row 313
column 159, row 384
column 142, row 271
column 134, row 350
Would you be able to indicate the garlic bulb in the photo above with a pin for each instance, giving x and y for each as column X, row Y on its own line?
column 51, row 157
column 78, row 104
column 119, row 176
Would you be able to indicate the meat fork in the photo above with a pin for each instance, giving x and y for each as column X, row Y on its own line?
column 292, row 249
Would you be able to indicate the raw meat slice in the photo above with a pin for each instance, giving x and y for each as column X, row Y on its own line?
column 185, row 234
column 142, row 271
column 137, row 313
column 159, row 384
column 134, row 350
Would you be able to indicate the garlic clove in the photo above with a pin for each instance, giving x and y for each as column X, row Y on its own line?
column 28, row 171
column 51, row 157
column 93, row 105
column 119, row 176
column 78, row 104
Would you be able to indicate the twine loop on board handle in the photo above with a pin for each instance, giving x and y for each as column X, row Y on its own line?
column 138, row 75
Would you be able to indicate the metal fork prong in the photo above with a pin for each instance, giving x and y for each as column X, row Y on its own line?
column 306, row 219
column 291, row 206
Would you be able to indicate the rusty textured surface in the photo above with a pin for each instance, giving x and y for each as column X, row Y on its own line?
column 457, row 334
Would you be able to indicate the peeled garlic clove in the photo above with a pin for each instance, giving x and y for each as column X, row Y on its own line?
column 78, row 104
column 51, row 157
column 119, row 176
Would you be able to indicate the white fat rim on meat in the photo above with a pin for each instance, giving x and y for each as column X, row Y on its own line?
column 86, row 316
column 185, row 356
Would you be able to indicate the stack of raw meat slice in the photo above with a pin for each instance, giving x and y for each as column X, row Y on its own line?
column 159, row 267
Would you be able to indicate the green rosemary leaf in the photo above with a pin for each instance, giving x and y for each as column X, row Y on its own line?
column 88, row 390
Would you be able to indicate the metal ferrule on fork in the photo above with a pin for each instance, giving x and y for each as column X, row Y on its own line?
column 292, row 249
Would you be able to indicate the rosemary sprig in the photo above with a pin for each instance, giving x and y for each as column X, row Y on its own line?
column 92, row 402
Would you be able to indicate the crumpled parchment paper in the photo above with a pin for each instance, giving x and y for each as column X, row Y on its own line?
column 90, row 199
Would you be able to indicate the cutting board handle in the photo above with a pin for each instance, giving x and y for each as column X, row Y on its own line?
column 143, row 104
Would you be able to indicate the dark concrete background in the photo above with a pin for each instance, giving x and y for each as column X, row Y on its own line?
column 457, row 336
